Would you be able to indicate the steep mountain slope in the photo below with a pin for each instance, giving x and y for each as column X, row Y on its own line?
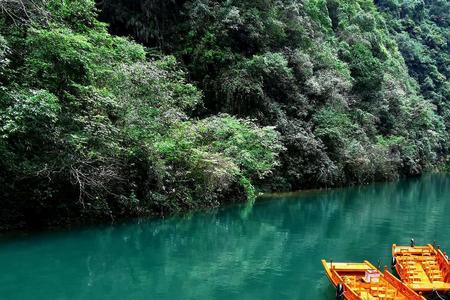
column 422, row 31
column 93, row 127
column 327, row 74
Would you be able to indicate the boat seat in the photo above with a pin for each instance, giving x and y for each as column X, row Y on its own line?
column 415, row 279
column 367, row 295
column 428, row 258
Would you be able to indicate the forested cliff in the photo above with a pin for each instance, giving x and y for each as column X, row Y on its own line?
column 128, row 108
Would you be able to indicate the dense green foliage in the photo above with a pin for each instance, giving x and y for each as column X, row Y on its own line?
column 422, row 31
column 327, row 74
column 225, row 97
column 92, row 125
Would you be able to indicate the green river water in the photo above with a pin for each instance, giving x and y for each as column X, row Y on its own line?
column 271, row 250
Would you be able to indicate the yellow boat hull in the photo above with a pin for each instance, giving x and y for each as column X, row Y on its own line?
column 350, row 276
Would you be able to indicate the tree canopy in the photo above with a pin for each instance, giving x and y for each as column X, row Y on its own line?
column 96, row 125
column 328, row 75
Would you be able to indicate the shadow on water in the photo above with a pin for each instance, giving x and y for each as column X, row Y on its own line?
column 270, row 250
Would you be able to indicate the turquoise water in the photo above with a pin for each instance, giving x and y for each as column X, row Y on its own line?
column 269, row 251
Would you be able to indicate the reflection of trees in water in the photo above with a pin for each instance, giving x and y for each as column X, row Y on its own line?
column 272, row 249
column 222, row 251
column 201, row 255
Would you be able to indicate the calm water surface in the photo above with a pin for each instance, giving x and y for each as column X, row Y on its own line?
column 269, row 251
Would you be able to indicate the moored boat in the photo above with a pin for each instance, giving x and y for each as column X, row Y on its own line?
column 363, row 281
column 422, row 268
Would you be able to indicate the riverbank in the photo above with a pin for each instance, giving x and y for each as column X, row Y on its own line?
column 57, row 220
column 77, row 216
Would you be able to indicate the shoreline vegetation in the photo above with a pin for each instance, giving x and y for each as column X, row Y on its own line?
column 122, row 109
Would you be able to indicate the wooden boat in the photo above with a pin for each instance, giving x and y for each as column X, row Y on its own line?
column 422, row 268
column 362, row 281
